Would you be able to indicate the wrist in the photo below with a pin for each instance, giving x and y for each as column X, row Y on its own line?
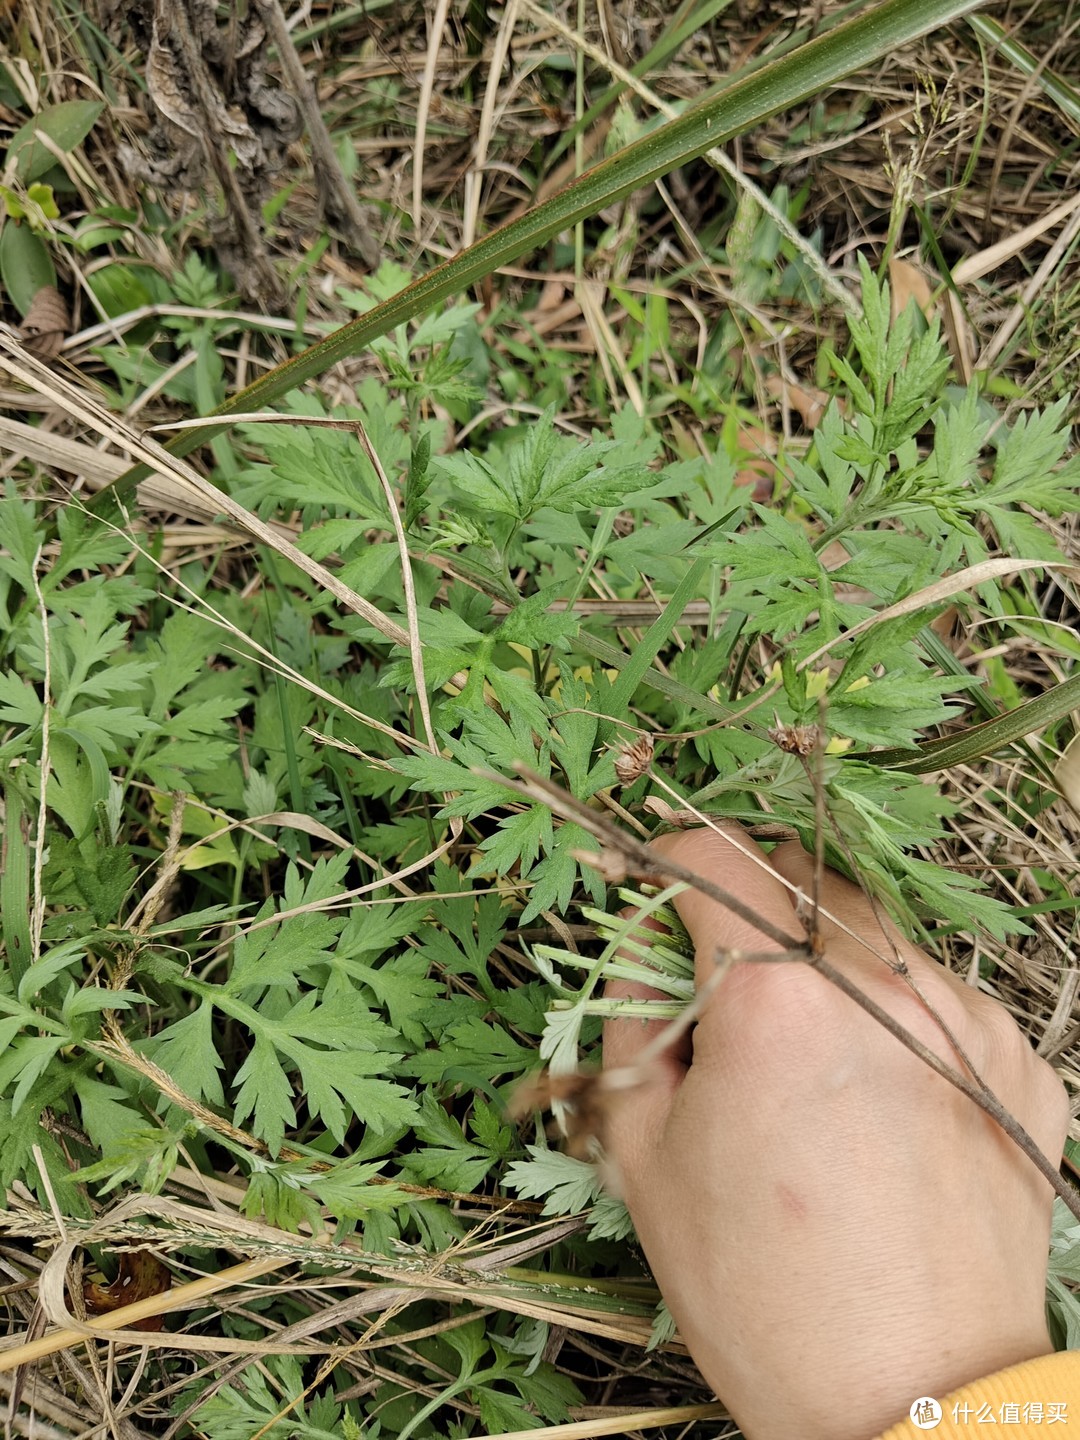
column 863, row 1396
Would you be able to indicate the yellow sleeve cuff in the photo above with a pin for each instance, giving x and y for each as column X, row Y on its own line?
column 1029, row 1399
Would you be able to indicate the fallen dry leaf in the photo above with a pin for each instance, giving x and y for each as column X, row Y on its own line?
column 47, row 323
column 760, row 468
column 908, row 282
column 141, row 1275
column 807, row 401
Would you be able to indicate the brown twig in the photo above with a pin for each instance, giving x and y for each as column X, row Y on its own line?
column 807, row 743
column 337, row 199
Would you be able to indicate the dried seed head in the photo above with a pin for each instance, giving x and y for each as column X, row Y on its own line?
column 633, row 760
column 795, row 739
column 581, row 1099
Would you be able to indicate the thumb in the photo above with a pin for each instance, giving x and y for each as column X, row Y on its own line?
column 627, row 1036
column 643, row 1085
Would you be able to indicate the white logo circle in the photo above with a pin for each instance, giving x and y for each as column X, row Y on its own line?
column 925, row 1413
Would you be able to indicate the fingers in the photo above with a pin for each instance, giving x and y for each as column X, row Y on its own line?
column 867, row 944
column 839, row 897
column 637, row 1110
column 862, row 941
column 734, row 862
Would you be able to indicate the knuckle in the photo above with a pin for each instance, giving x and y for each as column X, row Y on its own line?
column 1053, row 1097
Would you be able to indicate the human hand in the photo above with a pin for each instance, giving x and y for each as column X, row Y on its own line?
column 836, row 1229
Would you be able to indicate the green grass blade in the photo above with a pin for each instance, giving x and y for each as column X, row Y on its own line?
column 15, row 886
column 622, row 692
column 681, row 29
column 778, row 86
column 1020, row 57
column 948, row 664
column 685, row 22
column 978, row 741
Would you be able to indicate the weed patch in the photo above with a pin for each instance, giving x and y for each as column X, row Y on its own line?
column 227, row 968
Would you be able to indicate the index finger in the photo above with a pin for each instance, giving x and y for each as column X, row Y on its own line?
column 737, row 864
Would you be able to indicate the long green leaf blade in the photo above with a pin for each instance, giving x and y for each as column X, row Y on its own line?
column 622, row 692
column 787, row 82
column 15, row 886
column 1055, row 86
column 978, row 741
